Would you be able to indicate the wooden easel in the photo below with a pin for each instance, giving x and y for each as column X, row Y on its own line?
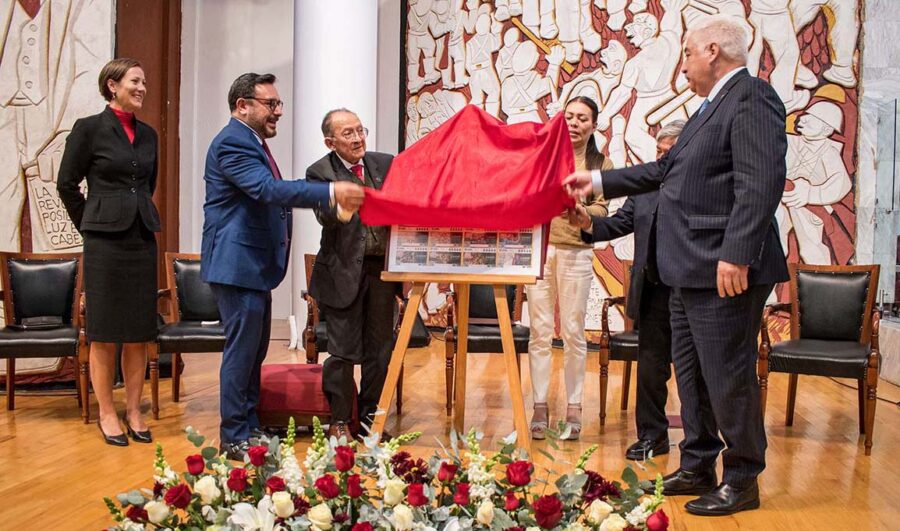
column 462, row 283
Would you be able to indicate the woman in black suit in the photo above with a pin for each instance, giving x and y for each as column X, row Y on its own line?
column 116, row 154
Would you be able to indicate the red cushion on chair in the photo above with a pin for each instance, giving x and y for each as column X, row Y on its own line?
column 292, row 390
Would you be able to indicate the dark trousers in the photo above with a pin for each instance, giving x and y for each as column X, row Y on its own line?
column 715, row 352
column 654, row 362
column 360, row 334
column 247, row 317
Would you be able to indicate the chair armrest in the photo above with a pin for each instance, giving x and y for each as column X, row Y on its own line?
column 876, row 325
column 778, row 307
column 614, row 300
column 312, row 311
column 604, row 319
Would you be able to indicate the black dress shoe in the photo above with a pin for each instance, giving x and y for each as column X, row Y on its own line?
column 261, row 433
column 340, row 429
column 683, row 482
column 137, row 436
column 235, row 451
column 114, row 440
column 640, row 450
column 725, row 500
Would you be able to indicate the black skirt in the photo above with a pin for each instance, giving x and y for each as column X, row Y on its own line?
column 120, row 285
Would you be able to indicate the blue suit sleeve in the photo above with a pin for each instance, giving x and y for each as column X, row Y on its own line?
column 609, row 228
column 242, row 167
column 633, row 180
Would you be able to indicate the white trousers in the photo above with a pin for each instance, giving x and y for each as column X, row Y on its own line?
column 567, row 279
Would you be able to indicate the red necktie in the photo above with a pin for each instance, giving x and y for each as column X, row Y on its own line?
column 357, row 170
column 272, row 165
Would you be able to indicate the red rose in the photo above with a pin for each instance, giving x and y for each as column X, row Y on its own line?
column 658, row 521
column 362, row 526
column 195, row 464
column 415, row 496
column 343, row 458
column 447, row 472
column 257, row 455
column 136, row 513
column 515, row 529
column 327, row 487
column 275, row 484
column 461, row 496
column 354, row 488
column 237, row 479
column 548, row 511
column 179, row 496
column 518, row 473
column 512, row 503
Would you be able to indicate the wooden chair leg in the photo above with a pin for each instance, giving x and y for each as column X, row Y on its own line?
column 154, row 378
column 177, row 366
column 84, row 371
column 10, row 384
column 626, row 385
column 604, row 383
column 450, row 353
column 861, row 390
column 791, row 399
column 312, row 355
column 400, row 393
column 871, row 400
column 762, row 374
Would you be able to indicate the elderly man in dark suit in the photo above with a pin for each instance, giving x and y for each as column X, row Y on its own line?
column 717, row 247
column 247, row 241
column 346, row 281
column 648, row 305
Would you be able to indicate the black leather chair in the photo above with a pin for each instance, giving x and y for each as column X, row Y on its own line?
column 484, row 338
column 315, row 335
column 834, row 332
column 42, row 288
column 194, row 324
column 622, row 346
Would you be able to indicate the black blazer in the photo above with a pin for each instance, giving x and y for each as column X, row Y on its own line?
column 636, row 216
column 336, row 277
column 121, row 176
column 719, row 187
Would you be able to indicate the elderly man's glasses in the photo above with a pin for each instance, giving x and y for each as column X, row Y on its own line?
column 273, row 105
column 360, row 133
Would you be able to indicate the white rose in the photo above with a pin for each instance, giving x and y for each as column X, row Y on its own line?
column 598, row 511
column 532, row 528
column 614, row 522
column 207, row 489
column 403, row 517
column 284, row 504
column 393, row 492
column 485, row 512
column 156, row 511
column 320, row 516
column 577, row 527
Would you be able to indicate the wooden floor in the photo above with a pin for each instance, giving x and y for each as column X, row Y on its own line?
column 54, row 470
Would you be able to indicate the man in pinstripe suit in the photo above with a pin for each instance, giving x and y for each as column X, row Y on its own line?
column 717, row 246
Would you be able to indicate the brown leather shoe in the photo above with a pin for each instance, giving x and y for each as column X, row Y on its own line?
column 338, row 430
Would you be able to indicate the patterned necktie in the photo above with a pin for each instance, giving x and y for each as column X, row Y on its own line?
column 357, row 170
column 272, row 165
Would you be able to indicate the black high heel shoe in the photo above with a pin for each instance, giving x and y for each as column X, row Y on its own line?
column 137, row 436
column 113, row 440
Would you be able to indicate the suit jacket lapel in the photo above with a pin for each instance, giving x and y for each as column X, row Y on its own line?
column 113, row 122
column 696, row 122
column 374, row 172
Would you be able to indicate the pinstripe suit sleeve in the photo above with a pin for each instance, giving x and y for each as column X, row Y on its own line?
column 759, row 145
column 633, row 180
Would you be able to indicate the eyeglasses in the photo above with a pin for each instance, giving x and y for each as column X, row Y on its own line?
column 273, row 105
column 360, row 133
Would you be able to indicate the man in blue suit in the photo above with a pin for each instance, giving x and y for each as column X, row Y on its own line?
column 246, row 244
column 717, row 248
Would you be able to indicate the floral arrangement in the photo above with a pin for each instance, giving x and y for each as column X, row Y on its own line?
column 368, row 485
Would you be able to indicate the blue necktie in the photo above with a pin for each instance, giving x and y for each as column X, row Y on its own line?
column 703, row 106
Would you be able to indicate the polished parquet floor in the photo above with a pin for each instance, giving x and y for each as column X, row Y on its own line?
column 54, row 470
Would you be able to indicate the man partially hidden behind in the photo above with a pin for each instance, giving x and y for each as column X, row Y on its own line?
column 717, row 247
column 247, row 241
column 346, row 280
column 648, row 306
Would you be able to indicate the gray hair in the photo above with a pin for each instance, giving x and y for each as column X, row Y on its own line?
column 671, row 130
column 727, row 32
column 326, row 122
